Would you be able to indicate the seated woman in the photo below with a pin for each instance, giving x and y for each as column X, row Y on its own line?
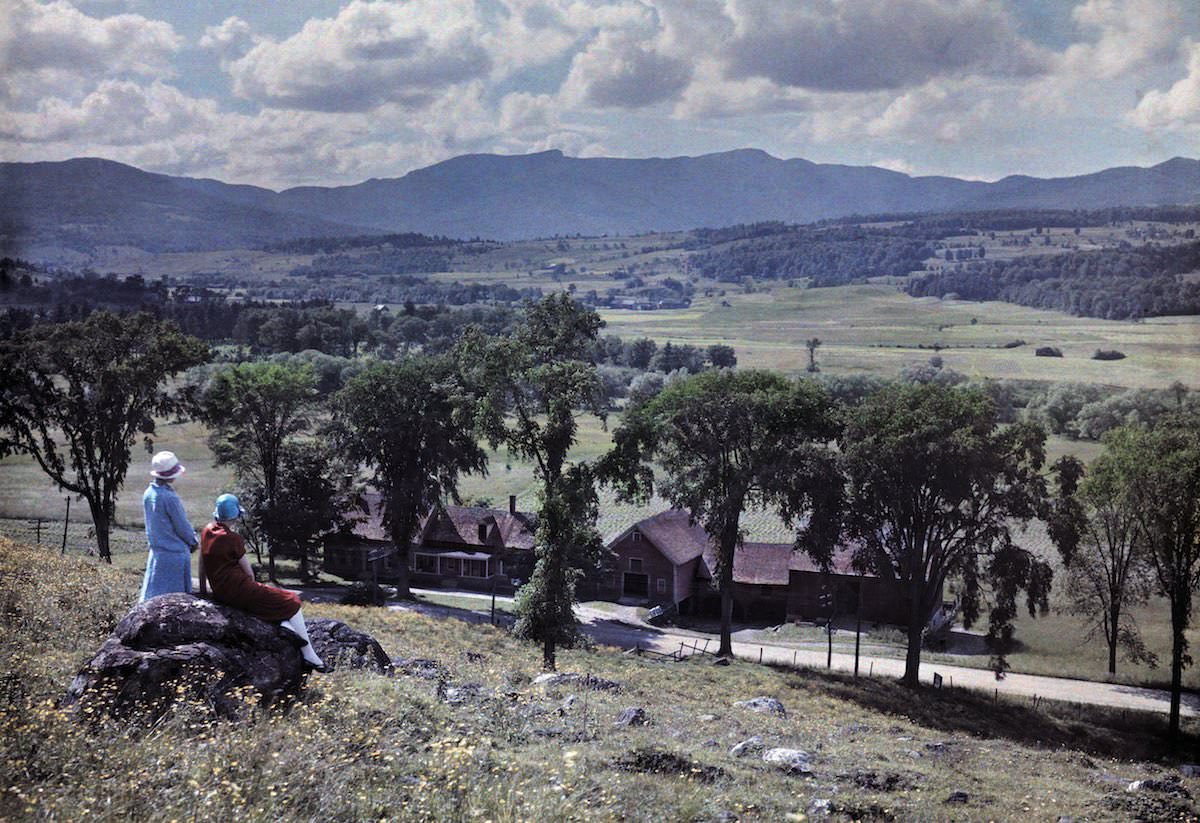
column 224, row 566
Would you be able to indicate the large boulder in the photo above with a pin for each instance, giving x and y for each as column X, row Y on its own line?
column 343, row 647
column 179, row 646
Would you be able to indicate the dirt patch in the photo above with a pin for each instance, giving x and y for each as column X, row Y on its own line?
column 862, row 811
column 657, row 761
column 878, row 781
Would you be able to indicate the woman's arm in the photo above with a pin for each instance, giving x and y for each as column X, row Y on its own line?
column 244, row 562
column 179, row 521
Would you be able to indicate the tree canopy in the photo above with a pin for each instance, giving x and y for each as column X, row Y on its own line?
column 934, row 488
column 77, row 396
column 727, row 441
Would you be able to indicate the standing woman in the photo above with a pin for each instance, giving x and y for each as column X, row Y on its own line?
column 224, row 566
column 171, row 537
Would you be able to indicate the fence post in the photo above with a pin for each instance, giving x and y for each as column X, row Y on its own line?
column 67, row 522
column 38, row 531
column 760, row 654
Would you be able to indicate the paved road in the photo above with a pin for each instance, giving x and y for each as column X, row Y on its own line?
column 622, row 629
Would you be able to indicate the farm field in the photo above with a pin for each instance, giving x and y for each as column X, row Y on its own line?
column 875, row 329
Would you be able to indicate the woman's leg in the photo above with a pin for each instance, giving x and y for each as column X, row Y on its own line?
column 296, row 624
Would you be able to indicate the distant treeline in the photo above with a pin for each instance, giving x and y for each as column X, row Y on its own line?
column 1117, row 284
column 830, row 256
column 331, row 245
column 1025, row 219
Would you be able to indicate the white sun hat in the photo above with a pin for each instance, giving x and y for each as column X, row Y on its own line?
column 166, row 466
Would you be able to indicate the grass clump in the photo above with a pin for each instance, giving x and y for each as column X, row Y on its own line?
column 480, row 742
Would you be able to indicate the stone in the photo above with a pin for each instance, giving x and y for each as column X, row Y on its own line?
column 1171, row 785
column 179, row 645
column 344, row 647
column 707, row 718
column 421, row 667
column 819, row 807
column 633, row 716
column 750, row 745
column 764, row 705
column 568, row 704
column 722, row 661
column 792, row 761
column 584, row 681
column 1189, row 770
column 958, row 797
column 463, row 693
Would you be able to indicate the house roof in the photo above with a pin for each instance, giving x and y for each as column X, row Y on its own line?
column 755, row 563
column 458, row 525
column 673, row 535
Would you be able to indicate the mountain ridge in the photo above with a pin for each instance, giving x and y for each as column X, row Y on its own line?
column 88, row 202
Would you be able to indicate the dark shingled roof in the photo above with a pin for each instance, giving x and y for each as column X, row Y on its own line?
column 456, row 525
column 672, row 534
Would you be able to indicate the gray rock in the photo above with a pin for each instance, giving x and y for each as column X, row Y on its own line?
column 464, row 693
column 764, row 705
column 1189, row 770
column 819, row 807
column 176, row 646
column 915, row 755
column 343, row 647
column 792, row 761
column 1171, row 785
column 707, row 718
column 751, row 745
column 421, row 667
column 583, row 681
column 958, row 797
column 568, row 703
column 633, row 716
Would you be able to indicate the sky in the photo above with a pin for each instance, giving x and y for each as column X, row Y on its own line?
column 308, row 92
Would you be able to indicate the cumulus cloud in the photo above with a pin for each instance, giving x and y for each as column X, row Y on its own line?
column 1176, row 107
column 865, row 45
column 1125, row 34
column 51, row 47
column 232, row 37
column 619, row 71
column 368, row 55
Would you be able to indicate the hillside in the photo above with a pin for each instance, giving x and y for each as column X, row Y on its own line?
column 84, row 203
column 361, row 746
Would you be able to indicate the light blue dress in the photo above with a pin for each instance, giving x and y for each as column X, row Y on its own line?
column 171, row 538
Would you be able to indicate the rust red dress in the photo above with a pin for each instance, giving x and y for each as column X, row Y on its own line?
column 222, row 550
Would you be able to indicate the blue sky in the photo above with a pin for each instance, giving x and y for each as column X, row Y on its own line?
column 321, row 92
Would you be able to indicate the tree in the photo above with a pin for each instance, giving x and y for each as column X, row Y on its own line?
column 76, row 396
column 812, row 343
column 533, row 386
column 254, row 409
column 934, row 486
column 727, row 441
column 312, row 498
column 1161, row 472
column 1098, row 536
column 410, row 422
column 722, row 357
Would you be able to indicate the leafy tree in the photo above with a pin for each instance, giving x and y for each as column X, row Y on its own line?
column 812, row 343
column 533, row 387
column 1161, row 473
column 254, row 409
column 312, row 498
column 639, row 353
column 731, row 440
column 1098, row 535
column 409, row 421
column 76, row 396
column 934, row 487
column 722, row 357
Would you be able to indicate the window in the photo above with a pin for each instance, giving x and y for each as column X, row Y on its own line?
column 426, row 563
column 662, row 585
column 498, row 567
column 450, row 566
column 637, row 536
column 483, row 532
column 635, row 564
column 474, row 568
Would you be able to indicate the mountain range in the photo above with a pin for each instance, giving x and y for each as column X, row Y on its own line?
column 88, row 202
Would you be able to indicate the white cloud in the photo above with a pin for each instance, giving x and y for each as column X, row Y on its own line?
column 865, row 45
column 53, row 47
column 1176, row 107
column 1127, row 34
column 621, row 71
column 368, row 55
column 232, row 37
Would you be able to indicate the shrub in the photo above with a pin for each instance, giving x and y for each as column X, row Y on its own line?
column 364, row 594
column 1108, row 354
column 1013, row 344
column 1048, row 351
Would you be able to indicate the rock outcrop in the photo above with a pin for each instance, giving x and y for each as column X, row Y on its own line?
column 182, row 647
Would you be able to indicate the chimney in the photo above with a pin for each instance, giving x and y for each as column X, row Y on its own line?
column 512, row 504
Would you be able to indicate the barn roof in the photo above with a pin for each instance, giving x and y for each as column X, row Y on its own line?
column 455, row 525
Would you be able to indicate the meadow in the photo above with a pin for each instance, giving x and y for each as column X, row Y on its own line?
column 360, row 746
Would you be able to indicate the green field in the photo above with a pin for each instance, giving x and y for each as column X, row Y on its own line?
column 875, row 329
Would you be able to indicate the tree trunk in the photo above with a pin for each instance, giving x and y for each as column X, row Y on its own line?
column 1114, row 614
column 1177, row 647
column 304, row 576
column 402, row 581
column 726, row 649
column 271, row 564
column 101, row 523
column 916, row 627
column 548, row 663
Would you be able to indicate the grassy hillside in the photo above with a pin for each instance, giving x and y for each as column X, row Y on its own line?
column 361, row 746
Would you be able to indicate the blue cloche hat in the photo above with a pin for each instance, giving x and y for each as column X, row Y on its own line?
column 228, row 508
